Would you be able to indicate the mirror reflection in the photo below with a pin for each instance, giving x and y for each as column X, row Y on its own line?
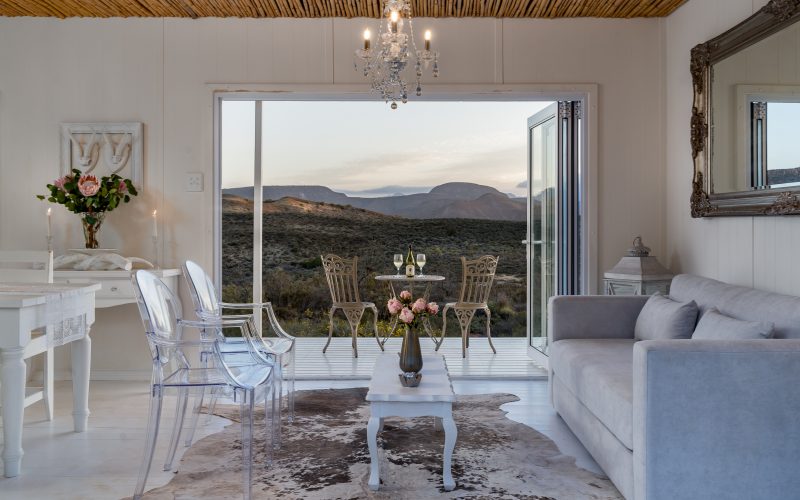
column 755, row 116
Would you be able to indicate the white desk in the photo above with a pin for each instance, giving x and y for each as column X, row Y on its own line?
column 117, row 286
column 387, row 398
column 24, row 308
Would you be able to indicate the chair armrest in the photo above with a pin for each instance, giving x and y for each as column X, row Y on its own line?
column 720, row 415
column 593, row 316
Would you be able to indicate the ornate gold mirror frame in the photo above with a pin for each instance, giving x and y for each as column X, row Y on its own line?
column 773, row 17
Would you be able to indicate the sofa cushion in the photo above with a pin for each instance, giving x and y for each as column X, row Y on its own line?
column 716, row 326
column 600, row 374
column 662, row 318
column 741, row 303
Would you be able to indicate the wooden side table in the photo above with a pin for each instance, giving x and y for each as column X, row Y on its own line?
column 388, row 398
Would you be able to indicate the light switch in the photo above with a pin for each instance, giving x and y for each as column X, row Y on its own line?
column 194, row 182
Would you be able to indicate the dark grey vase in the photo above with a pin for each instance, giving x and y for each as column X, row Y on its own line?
column 410, row 358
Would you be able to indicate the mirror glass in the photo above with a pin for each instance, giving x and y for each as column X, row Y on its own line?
column 755, row 116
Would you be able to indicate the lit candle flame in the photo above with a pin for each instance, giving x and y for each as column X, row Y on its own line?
column 427, row 35
column 394, row 16
column 367, row 35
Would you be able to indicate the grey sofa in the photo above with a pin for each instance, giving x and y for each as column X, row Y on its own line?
column 682, row 419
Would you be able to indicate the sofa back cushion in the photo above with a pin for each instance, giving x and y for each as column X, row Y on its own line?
column 663, row 318
column 741, row 302
column 716, row 326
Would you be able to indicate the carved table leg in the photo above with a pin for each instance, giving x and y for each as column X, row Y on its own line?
column 450, row 435
column 12, row 372
column 81, row 365
column 372, row 441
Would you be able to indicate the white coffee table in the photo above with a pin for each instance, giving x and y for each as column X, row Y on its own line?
column 388, row 398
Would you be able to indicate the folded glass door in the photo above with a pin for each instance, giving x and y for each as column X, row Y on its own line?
column 555, row 205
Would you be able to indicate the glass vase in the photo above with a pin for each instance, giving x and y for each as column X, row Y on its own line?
column 91, row 225
column 410, row 358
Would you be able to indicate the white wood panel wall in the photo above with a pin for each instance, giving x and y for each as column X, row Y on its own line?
column 752, row 251
column 157, row 71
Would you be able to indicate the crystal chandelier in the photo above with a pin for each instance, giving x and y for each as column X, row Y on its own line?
column 384, row 64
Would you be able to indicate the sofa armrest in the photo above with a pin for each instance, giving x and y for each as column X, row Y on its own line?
column 593, row 316
column 716, row 419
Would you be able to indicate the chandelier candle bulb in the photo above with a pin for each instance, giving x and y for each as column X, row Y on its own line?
column 428, row 40
column 394, row 17
column 367, row 36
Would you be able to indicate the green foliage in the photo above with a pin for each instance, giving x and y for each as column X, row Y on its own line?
column 110, row 193
column 293, row 279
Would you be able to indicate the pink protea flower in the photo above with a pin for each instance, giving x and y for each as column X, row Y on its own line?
column 406, row 316
column 433, row 308
column 405, row 295
column 419, row 306
column 88, row 185
column 122, row 187
column 59, row 183
column 394, row 306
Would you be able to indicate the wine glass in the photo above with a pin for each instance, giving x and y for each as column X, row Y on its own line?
column 398, row 262
column 421, row 262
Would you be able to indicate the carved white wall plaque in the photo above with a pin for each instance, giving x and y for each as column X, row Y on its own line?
column 103, row 149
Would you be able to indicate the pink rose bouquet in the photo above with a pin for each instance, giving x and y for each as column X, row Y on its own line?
column 87, row 195
column 410, row 311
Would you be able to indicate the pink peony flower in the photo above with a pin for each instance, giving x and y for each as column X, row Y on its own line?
column 122, row 187
column 394, row 306
column 88, row 185
column 59, row 183
column 433, row 308
column 419, row 306
column 406, row 316
column 405, row 295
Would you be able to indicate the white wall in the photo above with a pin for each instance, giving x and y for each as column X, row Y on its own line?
column 156, row 71
column 752, row 251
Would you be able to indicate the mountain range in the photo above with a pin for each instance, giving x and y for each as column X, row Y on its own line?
column 453, row 200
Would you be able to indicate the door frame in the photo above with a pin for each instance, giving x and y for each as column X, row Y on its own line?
column 587, row 93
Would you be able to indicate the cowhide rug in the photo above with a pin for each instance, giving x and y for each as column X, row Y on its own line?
column 325, row 456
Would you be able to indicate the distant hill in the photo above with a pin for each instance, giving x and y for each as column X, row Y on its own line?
column 460, row 200
column 783, row 175
column 232, row 204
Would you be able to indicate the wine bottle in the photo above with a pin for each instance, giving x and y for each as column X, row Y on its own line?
column 410, row 263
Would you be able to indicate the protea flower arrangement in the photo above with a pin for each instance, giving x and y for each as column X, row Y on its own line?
column 90, row 198
column 411, row 313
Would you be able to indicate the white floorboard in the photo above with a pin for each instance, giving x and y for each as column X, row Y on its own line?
column 103, row 462
column 510, row 363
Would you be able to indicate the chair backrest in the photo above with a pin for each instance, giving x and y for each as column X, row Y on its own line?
column 159, row 308
column 478, row 276
column 202, row 290
column 342, row 276
column 23, row 266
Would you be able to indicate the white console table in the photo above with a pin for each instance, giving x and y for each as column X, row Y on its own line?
column 117, row 288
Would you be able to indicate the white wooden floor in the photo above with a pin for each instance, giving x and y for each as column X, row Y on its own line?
column 510, row 363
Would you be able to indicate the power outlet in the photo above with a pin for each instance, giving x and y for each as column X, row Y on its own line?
column 194, row 182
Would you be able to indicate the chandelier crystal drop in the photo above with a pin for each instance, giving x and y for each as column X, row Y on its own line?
column 384, row 63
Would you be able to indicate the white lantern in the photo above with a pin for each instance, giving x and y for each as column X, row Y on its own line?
column 638, row 273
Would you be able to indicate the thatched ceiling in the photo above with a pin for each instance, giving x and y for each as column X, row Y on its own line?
column 336, row 8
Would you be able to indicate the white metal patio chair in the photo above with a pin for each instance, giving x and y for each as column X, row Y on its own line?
column 25, row 266
column 476, row 283
column 248, row 380
column 280, row 347
column 342, row 276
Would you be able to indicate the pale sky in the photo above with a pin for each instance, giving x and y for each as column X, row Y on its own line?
column 359, row 146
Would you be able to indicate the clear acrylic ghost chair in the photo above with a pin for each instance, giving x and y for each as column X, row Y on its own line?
column 247, row 380
column 280, row 348
column 476, row 283
column 342, row 276
column 26, row 266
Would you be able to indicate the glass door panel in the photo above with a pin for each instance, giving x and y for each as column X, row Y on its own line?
column 542, row 217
